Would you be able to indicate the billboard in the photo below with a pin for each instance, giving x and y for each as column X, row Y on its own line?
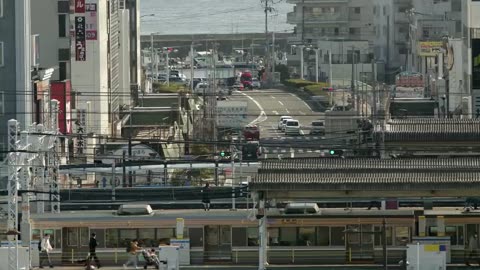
column 61, row 91
column 81, row 125
column 429, row 48
column 80, row 39
column 476, row 63
column 79, row 6
column 91, row 21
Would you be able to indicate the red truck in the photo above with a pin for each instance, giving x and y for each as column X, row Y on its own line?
column 251, row 133
column 247, row 80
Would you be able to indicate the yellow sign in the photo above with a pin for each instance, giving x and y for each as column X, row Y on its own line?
column 429, row 48
column 431, row 248
column 476, row 61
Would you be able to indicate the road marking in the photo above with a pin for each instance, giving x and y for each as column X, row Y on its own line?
column 287, row 110
column 273, row 97
column 281, row 103
column 262, row 117
column 275, row 112
column 292, row 153
column 303, row 113
column 284, row 151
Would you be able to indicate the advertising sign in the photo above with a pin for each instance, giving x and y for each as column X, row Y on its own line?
column 231, row 114
column 61, row 91
column 91, row 21
column 80, row 123
column 429, row 48
column 79, row 6
column 35, row 50
column 475, row 63
column 80, row 38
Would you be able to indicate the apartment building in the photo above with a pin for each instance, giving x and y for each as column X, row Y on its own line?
column 471, row 56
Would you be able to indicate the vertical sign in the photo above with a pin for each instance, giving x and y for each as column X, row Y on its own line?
column 91, row 21
column 79, row 6
column 35, row 50
column 81, row 121
column 80, row 50
column 475, row 63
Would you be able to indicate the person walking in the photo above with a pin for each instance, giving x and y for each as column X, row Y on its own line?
column 206, row 197
column 132, row 250
column 93, row 251
column 473, row 249
column 45, row 250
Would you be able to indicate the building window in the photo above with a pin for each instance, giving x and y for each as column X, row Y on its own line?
column 62, row 25
column 63, row 70
column 1, row 8
column 252, row 237
column 63, row 54
column 63, row 7
column 1, row 53
column 2, row 103
column 456, row 5
column 357, row 10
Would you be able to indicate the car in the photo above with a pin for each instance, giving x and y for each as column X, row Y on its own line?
column 238, row 86
column 318, row 127
column 256, row 84
column 292, row 127
column 251, row 151
column 251, row 133
column 201, row 88
column 280, row 123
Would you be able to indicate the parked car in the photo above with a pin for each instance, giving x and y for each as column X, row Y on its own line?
column 251, row 133
column 292, row 127
column 318, row 127
column 280, row 123
column 200, row 88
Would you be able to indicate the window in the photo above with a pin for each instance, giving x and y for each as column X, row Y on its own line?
column 1, row 52
column 456, row 235
column 146, row 238
column 323, row 236
column 165, row 234
column 456, row 5
column 63, row 66
column 356, row 10
column 2, row 103
column 1, row 8
column 252, row 237
column 125, row 236
column 84, row 237
column 288, row 236
column 306, row 236
column 62, row 25
column 337, row 236
column 64, row 54
column 402, row 235
column 354, row 31
column 63, row 7
column 35, row 232
column 196, row 236
column 336, row 31
column 72, row 237
column 111, row 238
column 273, row 236
column 100, row 237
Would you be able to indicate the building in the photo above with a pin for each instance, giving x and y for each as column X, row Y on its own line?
column 16, row 64
column 127, row 90
column 133, row 7
column 471, row 53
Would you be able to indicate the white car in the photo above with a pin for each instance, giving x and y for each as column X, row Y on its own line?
column 256, row 84
column 292, row 127
column 201, row 88
column 281, row 123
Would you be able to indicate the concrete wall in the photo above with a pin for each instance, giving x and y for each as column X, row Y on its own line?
column 90, row 78
column 124, row 15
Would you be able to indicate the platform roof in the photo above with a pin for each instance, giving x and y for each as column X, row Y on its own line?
column 368, row 178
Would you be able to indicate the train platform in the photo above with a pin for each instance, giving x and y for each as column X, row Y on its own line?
column 275, row 267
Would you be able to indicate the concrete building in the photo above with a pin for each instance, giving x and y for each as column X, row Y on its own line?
column 126, row 89
column 471, row 55
column 15, row 64
column 133, row 7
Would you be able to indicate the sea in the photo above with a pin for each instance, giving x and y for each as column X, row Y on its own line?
column 212, row 16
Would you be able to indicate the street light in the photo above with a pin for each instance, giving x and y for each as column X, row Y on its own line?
column 301, row 59
column 316, row 50
column 153, row 58
column 168, row 50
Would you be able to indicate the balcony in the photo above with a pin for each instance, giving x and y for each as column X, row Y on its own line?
column 293, row 18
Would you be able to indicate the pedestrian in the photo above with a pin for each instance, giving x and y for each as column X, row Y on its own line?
column 93, row 253
column 132, row 249
column 473, row 249
column 206, row 197
column 104, row 182
column 45, row 251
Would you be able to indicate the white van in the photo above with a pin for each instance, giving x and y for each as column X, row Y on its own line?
column 292, row 127
column 281, row 122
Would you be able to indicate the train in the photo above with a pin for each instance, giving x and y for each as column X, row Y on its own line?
column 322, row 236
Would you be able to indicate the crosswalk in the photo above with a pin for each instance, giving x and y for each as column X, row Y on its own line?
column 295, row 138
column 280, row 150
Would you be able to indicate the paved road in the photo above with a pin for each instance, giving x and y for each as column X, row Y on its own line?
column 265, row 107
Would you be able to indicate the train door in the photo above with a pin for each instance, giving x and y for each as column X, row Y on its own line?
column 75, row 244
column 360, row 244
column 218, row 243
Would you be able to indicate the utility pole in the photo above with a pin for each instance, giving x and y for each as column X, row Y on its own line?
column 267, row 45
column 192, row 62
column 354, row 96
column 374, row 89
column 303, row 21
column 130, row 133
column 151, row 56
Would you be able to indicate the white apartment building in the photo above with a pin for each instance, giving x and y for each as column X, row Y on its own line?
column 471, row 55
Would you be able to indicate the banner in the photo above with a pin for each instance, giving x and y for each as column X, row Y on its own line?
column 475, row 63
column 429, row 48
column 80, row 44
column 91, row 21
column 79, row 6
column 81, row 123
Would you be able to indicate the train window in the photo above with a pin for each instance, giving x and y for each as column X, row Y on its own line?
column 225, row 234
column 58, row 239
column 432, row 231
column 126, row 235
column 288, row 236
column 100, row 237
column 471, row 229
column 306, row 236
column 36, row 234
column 239, row 237
column 402, row 235
column 379, row 235
column 252, row 237
column 146, row 238
column 196, row 237
column 165, row 233
column 337, row 236
column 84, row 237
column 111, row 238
column 72, row 237
column 51, row 232
column 273, row 236
column 323, row 236
column 456, row 235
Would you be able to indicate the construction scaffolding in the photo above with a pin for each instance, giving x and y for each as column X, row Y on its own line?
column 32, row 166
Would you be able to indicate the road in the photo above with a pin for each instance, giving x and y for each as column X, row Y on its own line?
column 265, row 107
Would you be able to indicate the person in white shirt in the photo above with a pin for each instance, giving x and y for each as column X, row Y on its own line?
column 44, row 253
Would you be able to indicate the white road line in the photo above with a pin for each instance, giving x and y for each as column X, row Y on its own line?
column 275, row 112
column 292, row 153
column 300, row 151
column 284, row 151
column 281, row 103
column 303, row 113
column 287, row 110
column 262, row 117
column 273, row 97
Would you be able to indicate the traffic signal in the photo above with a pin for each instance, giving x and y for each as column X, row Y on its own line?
column 334, row 152
column 225, row 154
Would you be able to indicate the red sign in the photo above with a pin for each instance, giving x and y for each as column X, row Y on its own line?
column 61, row 91
column 79, row 6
